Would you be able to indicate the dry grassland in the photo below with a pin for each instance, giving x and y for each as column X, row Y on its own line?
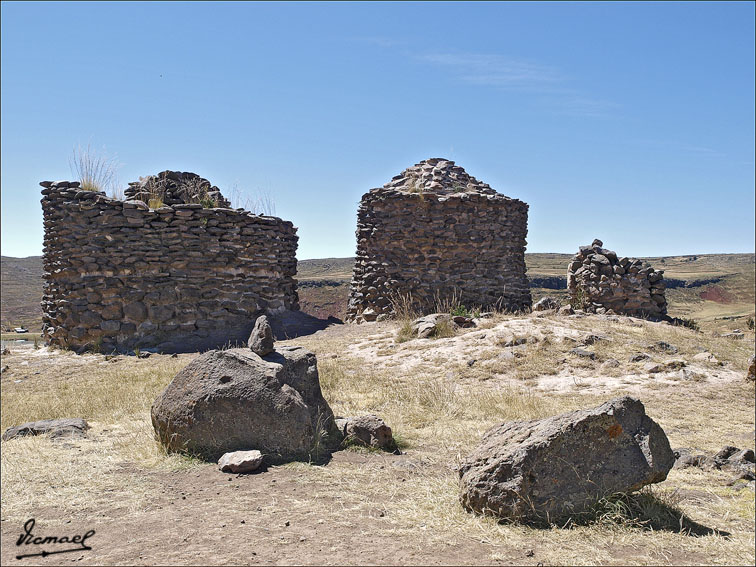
column 366, row 507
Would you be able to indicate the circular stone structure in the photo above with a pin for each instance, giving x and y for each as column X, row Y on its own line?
column 432, row 235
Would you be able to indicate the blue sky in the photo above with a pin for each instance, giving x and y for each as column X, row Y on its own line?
column 631, row 122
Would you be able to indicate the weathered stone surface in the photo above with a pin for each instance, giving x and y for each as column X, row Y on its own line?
column 75, row 427
column 553, row 468
column 599, row 282
column 240, row 461
column 434, row 232
column 368, row 430
column 427, row 326
column 545, row 304
column 261, row 339
column 178, row 278
column 232, row 400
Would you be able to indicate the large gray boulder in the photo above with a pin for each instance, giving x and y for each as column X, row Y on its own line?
column 555, row 468
column 232, row 400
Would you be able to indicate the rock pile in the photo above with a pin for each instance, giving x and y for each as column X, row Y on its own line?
column 598, row 281
column 554, row 468
column 732, row 459
column 433, row 233
column 437, row 175
column 176, row 188
column 119, row 275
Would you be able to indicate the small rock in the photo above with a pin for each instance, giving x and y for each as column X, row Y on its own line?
column 369, row 430
column 427, row 326
column 592, row 339
column 261, row 339
column 566, row 310
column 240, row 462
column 546, row 303
column 611, row 363
column 734, row 335
column 705, row 357
column 640, row 357
column 661, row 346
column 653, row 367
column 581, row 352
column 515, row 342
column 64, row 428
column 684, row 458
column 464, row 322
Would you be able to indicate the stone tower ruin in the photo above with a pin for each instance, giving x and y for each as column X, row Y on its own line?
column 185, row 275
column 598, row 281
column 434, row 232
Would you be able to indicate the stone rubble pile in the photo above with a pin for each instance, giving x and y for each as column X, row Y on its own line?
column 176, row 188
column 120, row 276
column 435, row 233
column 438, row 175
column 598, row 281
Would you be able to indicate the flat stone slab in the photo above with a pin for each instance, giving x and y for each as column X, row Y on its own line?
column 67, row 427
column 240, row 461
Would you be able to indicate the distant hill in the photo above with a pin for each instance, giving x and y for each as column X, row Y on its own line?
column 716, row 289
column 21, row 292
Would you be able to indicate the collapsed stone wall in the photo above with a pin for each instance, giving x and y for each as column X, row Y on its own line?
column 176, row 187
column 120, row 276
column 435, row 232
column 599, row 281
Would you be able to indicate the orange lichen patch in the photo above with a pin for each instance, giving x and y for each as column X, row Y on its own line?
column 614, row 431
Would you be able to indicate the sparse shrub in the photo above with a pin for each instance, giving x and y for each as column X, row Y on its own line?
column 463, row 311
column 444, row 330
column 689, row 323
column 579, row 299
column 405, row 332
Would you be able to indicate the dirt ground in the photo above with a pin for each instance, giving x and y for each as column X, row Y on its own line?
column 367, row 507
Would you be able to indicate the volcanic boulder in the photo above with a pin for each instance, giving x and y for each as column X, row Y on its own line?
column 555, row 468
column 232, row 400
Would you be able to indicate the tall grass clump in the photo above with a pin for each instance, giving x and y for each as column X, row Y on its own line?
column 260, row 202
column 95, row 172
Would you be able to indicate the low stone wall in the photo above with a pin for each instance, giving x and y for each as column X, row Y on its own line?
column 120, row 276
column 599, row 281
column 435, row 232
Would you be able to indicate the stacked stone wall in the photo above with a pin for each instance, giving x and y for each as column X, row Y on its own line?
column 120, row 276
column 598, row 281
column 426, row 246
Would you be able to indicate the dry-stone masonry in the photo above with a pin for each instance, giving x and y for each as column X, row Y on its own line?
column 182, row 277
column 599, row 281
column 436, row 232
column 175, row 188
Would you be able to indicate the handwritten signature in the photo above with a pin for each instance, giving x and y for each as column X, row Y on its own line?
column 28, row 538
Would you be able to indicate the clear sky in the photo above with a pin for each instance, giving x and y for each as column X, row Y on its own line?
column 630, row 122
